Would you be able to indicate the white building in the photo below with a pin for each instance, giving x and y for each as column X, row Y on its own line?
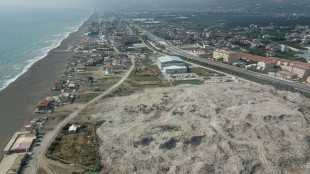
column 74, row 128
column 175, row 69
column 284, row 48
column 109, row 71
column 171, row 65
column 80, row 68
column 265, row 65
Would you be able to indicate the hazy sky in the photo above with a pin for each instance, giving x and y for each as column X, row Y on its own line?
column 148, row 4
column 46, row 3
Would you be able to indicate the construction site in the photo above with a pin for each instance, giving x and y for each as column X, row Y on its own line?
column 211, row 128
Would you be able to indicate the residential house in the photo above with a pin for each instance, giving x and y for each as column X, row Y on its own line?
column 109, row 70
column 302, row 70
column 286, row 75
column 44, row 105
column 265, row 64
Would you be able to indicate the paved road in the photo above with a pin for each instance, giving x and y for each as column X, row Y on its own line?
column 175, row 50
column 39, row 159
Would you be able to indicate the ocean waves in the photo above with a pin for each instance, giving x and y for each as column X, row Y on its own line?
column 17, row 55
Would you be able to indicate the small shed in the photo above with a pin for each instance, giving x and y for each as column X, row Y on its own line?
column 74, row 128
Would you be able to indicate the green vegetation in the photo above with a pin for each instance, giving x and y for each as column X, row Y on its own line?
column 204, row 72
column 194, row 82
column 79, row 148
column 146, row 74
column 259, row 51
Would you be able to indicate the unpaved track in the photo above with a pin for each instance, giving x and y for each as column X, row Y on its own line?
column 259, row 145
column 39, row 159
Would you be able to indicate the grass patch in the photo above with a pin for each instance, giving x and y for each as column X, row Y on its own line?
column 80, row 148
column 205, row 72
column 193, row 82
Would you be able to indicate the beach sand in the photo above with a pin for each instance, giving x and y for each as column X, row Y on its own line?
column 18, row 100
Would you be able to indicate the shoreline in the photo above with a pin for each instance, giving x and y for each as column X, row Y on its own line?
column 18, row 99
column 33, row 61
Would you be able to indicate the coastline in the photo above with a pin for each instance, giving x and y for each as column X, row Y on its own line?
column 50, row 48
column 18, row 99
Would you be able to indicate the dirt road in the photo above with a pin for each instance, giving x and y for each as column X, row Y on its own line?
column 258, row 145
column 39, row 160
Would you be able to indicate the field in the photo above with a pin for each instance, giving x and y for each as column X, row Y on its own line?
column 146, row 74
column 205, row 72
column 79, row 148
column 194, row 82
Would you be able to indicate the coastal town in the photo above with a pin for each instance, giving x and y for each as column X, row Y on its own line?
column 275, row 50
column 116, row 56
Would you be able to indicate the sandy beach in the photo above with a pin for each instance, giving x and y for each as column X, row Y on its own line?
column 18, row 100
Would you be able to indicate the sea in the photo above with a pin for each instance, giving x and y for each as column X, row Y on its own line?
column 27, row 35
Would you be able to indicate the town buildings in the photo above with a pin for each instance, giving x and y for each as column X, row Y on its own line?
column 286, row 75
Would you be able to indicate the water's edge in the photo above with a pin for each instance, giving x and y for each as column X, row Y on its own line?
column 48, row 50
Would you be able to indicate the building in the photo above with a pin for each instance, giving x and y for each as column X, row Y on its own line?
column 58, row 85
column 175, row 69
column 80, row 68
column 109, row 70
column 74, row 128
column 284, row 64
column 286, row 75
column 302, row 70
column 284, row 48
column 227, row 56
column 171, row 65
column 20, row 142
column 12, row 164
column 265, row 65
column 44, row 105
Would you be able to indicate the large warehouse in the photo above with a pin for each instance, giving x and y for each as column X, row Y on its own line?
column 171, row 65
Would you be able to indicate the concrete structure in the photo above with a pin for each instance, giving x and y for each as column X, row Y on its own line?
column 284, row 48
column 11, row 164
column 74, row 128
column 301, row 70
column 44, row 105
column 109, row 70
column 308, row 79
column 265, row 65
column 227, row 56
column 286, row 75
column 80, row 68
column 175, row 69
column 58, row 85
column 171, row 65
column 166, row 61
column 20, row 142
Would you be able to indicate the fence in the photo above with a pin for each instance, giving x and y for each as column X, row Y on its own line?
column 68, row 162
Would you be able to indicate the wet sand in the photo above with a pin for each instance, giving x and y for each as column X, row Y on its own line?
column 18, row 100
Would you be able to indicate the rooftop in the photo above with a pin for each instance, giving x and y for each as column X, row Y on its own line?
column 164, row 59
column 301, row 66
column 287, row 73
column 225, row 51
column 175, row 67
column 44, row 103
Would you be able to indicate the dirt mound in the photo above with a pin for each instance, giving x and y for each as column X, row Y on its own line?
column 212, row 128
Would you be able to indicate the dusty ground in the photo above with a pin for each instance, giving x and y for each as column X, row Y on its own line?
column 212, row 128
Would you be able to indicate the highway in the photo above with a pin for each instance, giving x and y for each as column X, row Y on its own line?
column 261, row 76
